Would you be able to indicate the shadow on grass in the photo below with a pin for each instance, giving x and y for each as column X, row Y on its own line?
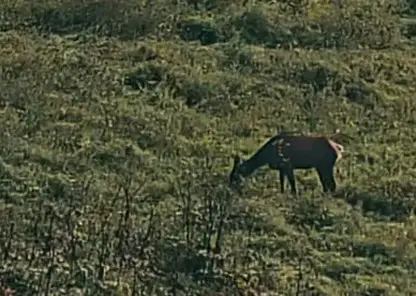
column 193, row 268
column 17, row 280
column 338, row 270
column 384, row 206
column 377, row 252
column 125, row 19
column 310, row 214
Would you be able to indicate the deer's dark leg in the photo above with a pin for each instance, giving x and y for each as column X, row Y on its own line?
column 326, row 175
column 292, row 182
column 332, row 185
column 323, row 178
column 282, row 176
column 288, row 169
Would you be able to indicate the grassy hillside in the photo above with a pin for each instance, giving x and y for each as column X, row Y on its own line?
column 118, row 123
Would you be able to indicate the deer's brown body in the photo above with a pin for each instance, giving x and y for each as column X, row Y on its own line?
column 286, row 153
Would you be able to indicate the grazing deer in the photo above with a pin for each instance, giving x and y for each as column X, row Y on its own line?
column 285, row 152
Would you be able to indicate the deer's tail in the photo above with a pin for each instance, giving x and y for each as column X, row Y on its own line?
column 338, row 148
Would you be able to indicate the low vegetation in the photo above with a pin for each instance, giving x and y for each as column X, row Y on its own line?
column 118, row 124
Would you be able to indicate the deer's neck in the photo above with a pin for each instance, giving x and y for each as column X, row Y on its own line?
column 253, row 163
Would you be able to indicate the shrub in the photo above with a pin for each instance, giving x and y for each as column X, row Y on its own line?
column 359, row 24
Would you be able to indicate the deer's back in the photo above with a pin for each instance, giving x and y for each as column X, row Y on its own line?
column 308, row 152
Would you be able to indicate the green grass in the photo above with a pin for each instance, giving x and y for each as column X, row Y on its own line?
column 117, row 136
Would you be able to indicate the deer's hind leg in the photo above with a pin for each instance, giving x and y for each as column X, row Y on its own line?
column 326, row 176
column 332, row 184
column 322, row 179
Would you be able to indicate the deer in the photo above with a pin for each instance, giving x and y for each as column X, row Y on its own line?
column 285, row 153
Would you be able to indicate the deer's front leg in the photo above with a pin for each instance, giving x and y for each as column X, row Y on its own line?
column 291, row 177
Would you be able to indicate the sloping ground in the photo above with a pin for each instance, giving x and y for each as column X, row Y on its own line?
column 115, row 154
